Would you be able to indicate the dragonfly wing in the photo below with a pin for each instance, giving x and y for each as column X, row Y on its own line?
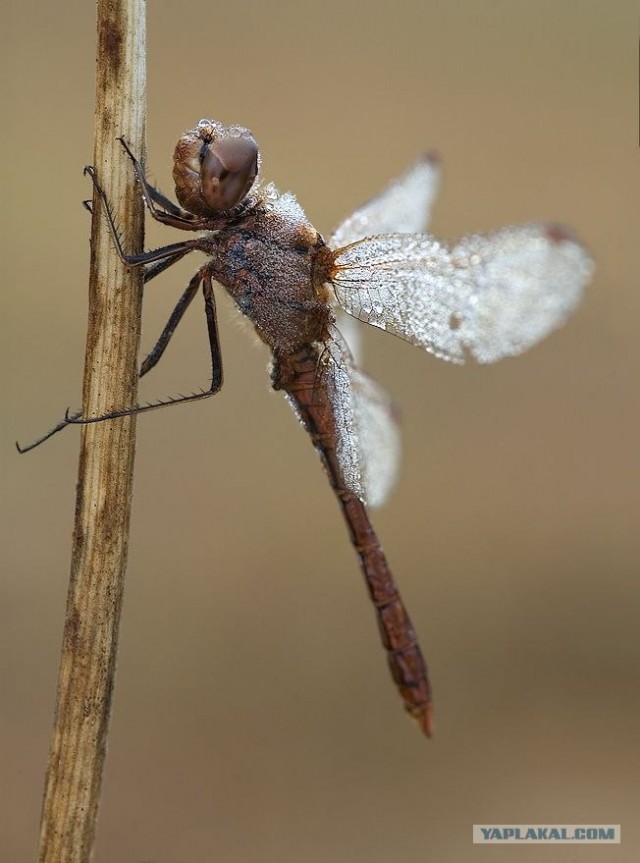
column 493, row 296
column 379, row 442
column 351, row 331
column 367, row 442
column 335, row 373
column 403, row 207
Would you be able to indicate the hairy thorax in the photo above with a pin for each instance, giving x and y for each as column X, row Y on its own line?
column 275, row 264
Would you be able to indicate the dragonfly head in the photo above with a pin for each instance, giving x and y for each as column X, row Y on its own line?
column 214, row 167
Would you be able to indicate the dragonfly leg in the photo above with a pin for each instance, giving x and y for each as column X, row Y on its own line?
column 212, row 330
column 169, row 251
column 181, row 307
column 160, row 266
column 202, row 276
column 174, row 216
column 61, row 425
column 176, row 316
column 163, row 264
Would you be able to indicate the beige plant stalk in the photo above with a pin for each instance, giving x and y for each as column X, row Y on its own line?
column 105, row 474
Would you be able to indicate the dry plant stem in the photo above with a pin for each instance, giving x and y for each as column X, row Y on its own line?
column 103, row 503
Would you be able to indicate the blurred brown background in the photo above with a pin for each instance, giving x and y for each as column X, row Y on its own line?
column 254, row 719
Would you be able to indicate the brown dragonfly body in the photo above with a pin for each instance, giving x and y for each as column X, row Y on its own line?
column 297, row 375
column 276, row 267
column 486, row 296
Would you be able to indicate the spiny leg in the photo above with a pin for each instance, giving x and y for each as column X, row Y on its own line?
column 170, row 250
column 212, row 331
column 161, row 265
column 166, row 203
column 154, row 356
column 176, row 316
column 61, row 425
column 181, row 307
column 160, row 259
column 203, row 276
column 155, row 194
column 175, row 216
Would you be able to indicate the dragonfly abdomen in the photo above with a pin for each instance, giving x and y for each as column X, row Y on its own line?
column 298, row 375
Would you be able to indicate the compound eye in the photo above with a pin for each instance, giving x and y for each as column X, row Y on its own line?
column 229, row 167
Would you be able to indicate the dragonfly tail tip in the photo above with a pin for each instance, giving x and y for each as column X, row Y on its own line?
column 428, row 721
column 425, row 719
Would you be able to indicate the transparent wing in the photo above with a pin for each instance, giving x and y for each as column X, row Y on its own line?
column 403, row 207
column 351, row 331
column 366, row 428
column 379, row 442
column 493, row 295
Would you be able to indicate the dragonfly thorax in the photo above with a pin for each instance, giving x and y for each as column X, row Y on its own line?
column 267, row 262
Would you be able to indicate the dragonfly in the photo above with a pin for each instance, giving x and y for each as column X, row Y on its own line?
column 484, row 297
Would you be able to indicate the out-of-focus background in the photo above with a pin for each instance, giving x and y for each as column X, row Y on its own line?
column 254, row 718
